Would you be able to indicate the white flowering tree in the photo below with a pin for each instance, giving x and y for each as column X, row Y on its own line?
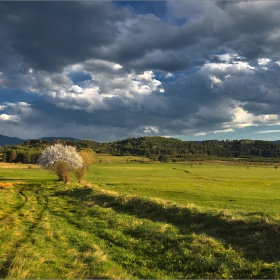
column 62, row 159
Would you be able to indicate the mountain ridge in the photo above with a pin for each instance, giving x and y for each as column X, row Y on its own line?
column 7, row 140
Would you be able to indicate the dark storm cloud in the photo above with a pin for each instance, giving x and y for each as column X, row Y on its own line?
column 93, row 64
column 176, row 110
column 260, row 86
column 250, row 28
column 120, row 116
column 50, row 35
column 167, row 61
column 261, row 108
column 254, row 28
column 102, row 66
column 194, row 100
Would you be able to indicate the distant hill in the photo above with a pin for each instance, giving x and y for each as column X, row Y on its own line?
column 50, row 139
column 171, row 149
column 6, row 140
column 165, row 149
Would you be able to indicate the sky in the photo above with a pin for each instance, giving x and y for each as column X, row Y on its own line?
column 109, row 70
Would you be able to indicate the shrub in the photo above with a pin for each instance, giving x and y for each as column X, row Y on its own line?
column 87, row 159
column 63, row 171
column 62, row 160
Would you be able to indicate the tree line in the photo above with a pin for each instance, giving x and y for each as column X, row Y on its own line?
column 154, row 148
column 30, row 151
column 163, row 149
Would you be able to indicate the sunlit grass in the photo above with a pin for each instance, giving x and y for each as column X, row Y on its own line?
column 140, row 221
column 210, row 186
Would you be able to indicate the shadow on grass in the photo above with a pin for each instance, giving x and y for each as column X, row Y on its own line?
column 257, row 238
column 186, row 171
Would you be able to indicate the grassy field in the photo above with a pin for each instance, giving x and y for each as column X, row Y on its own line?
column 132, row 220
column 209, row 186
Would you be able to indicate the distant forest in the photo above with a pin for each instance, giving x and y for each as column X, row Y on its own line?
column 155, row 148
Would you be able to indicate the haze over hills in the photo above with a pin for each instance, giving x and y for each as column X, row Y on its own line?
column 50, row 139
column 6, row 140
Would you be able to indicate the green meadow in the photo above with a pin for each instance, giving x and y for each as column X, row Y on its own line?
column 141, row 220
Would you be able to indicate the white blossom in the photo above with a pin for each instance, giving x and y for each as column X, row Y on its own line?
column 60, row 153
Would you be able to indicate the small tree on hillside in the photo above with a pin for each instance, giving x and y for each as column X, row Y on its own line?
column 87, row 159
column 61, row 159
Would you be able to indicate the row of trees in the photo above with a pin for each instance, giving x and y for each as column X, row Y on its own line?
column 30, row 151
column 81, row 144
column 155, row 148
column 21, row 154
column 60, row 158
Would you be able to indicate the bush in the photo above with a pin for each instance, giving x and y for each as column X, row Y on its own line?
column 63, row 171
column 62, row 160
column 80, row 173
column 87, row 159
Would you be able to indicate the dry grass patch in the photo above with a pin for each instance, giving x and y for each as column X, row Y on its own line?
column 11, row 165
column 6, row 185
column 18, row 165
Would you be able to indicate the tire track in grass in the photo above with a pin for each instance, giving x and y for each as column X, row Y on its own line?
column 17, row 208
column 40, row 201
column 77, row 238
column 113, row 236
column 233, row 231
